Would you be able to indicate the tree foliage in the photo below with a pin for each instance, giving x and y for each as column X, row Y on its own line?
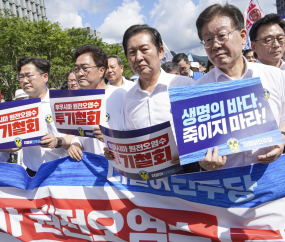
column 43, row 39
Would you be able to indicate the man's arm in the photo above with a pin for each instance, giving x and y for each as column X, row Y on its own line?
column 50, row 141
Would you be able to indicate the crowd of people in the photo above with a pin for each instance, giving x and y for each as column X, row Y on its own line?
column 144, row 103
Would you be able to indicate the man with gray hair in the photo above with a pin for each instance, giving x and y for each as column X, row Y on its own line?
column 114, row 73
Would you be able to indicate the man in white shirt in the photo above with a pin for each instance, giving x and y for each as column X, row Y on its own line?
column 221, row 30
column 114, row 73
column 267, row 40
column 33, row 77
column 147, row 103
column 89, row 68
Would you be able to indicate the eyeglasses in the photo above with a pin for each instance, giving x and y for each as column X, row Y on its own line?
column 270, row 40
column 221, row 39
column 85, row 69
column 71, row 81
column 29, row 77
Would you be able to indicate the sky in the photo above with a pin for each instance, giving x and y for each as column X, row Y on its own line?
column 174, row 19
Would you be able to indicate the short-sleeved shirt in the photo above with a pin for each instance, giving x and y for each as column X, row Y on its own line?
column 273, row 80
column 114, row 120
column 34, row 156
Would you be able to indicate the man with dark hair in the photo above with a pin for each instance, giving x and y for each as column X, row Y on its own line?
column 33, row 77
column 201, row 67
column 89, row 68
column 267, row 40
column 182, row 60
column 114, row 73
column 71, row 81
column 221, row 30
column 250, row 55
column 147, row 103
column 171, row 68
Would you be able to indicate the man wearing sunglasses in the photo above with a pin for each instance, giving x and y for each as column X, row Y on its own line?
column 267, row 40
column 221, row 31
column 90, row 67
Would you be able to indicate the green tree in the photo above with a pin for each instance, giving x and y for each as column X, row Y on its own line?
column 43, row 39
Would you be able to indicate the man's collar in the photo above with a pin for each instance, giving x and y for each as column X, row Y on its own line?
column 219, row 72
column 282, row 66
column 160, row 81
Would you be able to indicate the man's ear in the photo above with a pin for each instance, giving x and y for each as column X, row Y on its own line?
column 101, row 71
column 45, row 76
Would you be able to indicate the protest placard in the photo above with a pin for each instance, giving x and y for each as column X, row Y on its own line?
column 143, row 154
column 235, row 116
column 88, row 201
column 77, row 111
column 21, row 123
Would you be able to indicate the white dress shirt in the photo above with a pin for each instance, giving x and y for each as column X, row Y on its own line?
column 127, row 85
column 34, row 156
column 282, row 67
column 272, row 79
column 143, row 109
column 114, row 120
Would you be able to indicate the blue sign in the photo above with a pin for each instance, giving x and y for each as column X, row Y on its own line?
column 234, row 116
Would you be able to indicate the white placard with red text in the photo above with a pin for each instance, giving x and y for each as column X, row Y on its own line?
column 21, row 123
column 143, row 154
column 78, row 111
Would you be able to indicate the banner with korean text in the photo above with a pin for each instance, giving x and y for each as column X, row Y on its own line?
column 252, row 13
column 233, row 115
column 88, row 201
column 21, row 123
column 78, row 111
column 143, row 154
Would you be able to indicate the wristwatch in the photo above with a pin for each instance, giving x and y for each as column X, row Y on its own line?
column 59, row 143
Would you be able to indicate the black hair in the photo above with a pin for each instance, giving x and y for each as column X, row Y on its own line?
column 228, row 10
column 249, row 50
column 179, row 57
column 208, row 66
column 142, row 28
column 170, row 66
column 119, row 60
column 41, row 64
column 271, row 18
column 98, row 55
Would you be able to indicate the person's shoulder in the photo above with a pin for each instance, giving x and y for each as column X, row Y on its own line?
column 263, row 67
column 178, row 80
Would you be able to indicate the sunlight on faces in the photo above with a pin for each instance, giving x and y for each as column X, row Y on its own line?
column 268, row 54
column 185, row 68
column 142, row 55
column 224, row 55
column 93, row 76
column 114, row 72
column 37, row 83
column 71, row 82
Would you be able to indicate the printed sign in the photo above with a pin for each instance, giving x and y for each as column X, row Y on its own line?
column 91, row 202
column 21, row 123
column 233, row 115
column 143, row 154
column 78, row 111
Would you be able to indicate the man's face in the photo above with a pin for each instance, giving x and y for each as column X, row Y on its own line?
column 185, row 68
column 114, row 72
column 72, row 83
column 268, row 54
column 250, row 56
column 89, row 75
column 224, row 55
column 142, row 55
column 195, row 69
column 32, row 81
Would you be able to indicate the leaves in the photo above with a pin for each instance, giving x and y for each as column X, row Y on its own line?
column 43, row 39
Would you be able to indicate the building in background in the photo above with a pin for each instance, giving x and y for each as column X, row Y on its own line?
column 93, row 32
column 34, row 10
column 280, row 4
